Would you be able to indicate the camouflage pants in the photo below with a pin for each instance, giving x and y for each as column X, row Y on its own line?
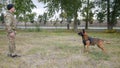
column 11, row 43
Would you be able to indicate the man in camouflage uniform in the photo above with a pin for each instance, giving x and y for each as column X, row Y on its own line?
column 10, row 23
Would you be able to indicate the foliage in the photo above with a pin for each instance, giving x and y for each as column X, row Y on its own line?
column 101, row 17
column 63, row 15
column 87, row 12
column 31, row 17
column 52, row 6
column 1, row 7
column 2, row 17
column 71, row 7
column 111, row 8
column 40, row 18
column 68, row 6
column 45, row 18
column 23, row 7
column 110, row 31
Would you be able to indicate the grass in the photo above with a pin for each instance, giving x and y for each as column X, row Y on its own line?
column 99, row 56
column 59, row 49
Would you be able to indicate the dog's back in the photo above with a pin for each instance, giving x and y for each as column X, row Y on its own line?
column 94, row 41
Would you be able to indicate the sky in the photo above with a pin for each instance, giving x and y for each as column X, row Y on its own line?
column 40, row 9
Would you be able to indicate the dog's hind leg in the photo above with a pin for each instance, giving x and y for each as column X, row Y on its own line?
column 100, row 45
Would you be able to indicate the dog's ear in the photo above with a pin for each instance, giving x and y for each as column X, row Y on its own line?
column 83, row 30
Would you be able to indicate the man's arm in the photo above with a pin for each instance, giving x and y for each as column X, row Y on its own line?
column 8, row 22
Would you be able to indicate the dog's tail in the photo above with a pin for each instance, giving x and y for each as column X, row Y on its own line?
column 107, row 42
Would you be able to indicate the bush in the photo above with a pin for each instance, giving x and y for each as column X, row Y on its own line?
column 110, row 31
column 34, row 30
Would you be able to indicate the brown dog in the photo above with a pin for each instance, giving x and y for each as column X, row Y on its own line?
column 87, row 41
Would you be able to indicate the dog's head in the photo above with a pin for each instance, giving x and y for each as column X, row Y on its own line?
column 82, row 32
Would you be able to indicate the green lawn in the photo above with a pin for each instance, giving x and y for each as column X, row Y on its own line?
column 59, row 49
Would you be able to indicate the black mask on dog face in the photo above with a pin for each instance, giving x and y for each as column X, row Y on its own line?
column 80, row 33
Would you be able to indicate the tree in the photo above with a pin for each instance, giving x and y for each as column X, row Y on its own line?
column 2, row 18
column 40, row 18
column 71, row 7
column 87, row 12
column 63, row 15
column 2, row 6
column 45, row 18
column 23, row 7
column 31, row 17
column 101, row 17
column 101, row 11
column 2, row 15
column 111, row 9
column 68, row 22
column 113, row 14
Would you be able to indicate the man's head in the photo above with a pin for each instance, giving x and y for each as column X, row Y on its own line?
column 10, row 7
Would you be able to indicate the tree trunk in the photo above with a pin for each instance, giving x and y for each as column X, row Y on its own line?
column 113, row 20
column 75, row 22
column 109, row 24
column 25, row 25
column 2, row 18
column 86, row 24
column 25, row 21
column 68, row 26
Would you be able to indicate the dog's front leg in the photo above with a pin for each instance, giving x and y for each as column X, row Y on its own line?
column 86, row 47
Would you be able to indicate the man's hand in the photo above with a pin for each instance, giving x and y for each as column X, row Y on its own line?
column 12, row 34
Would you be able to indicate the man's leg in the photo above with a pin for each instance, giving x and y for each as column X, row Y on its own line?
column 12, row 48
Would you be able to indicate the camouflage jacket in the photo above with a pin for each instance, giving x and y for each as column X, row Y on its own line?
column 10, row 22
